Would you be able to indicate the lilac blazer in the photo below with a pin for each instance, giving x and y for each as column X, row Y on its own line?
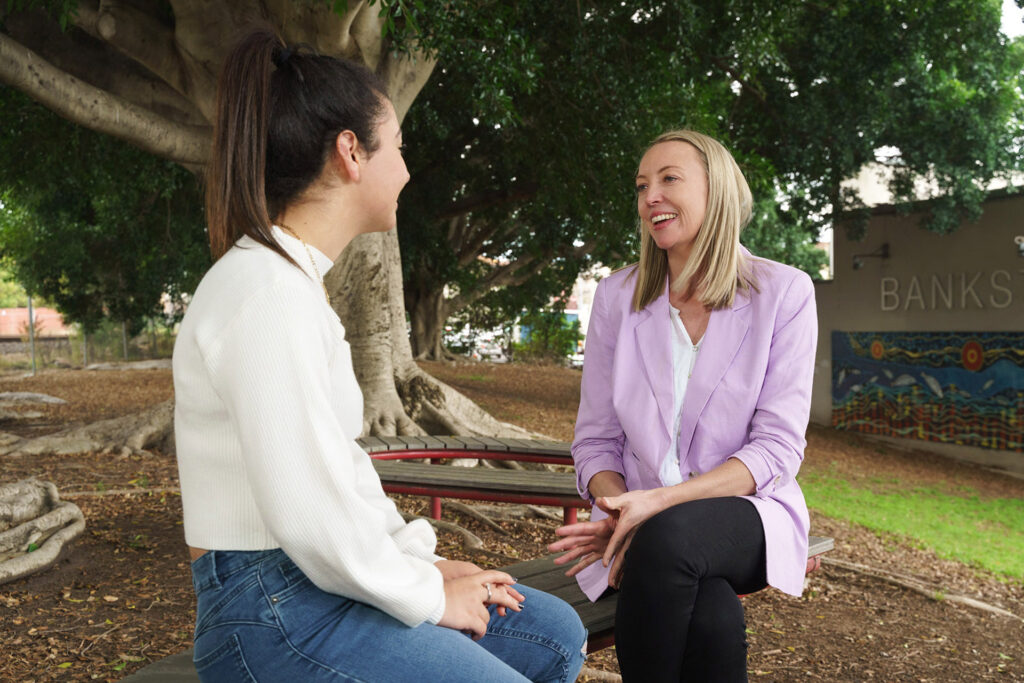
column 749, row 398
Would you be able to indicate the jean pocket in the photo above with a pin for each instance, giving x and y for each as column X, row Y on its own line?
column 291, row 574
column 225, row 664
column 238, row 602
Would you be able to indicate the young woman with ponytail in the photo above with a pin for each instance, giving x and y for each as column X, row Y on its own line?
column 303, row 569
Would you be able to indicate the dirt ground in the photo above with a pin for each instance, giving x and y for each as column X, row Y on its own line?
column 120, row 595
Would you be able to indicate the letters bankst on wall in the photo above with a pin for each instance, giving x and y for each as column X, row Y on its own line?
column 927, row 342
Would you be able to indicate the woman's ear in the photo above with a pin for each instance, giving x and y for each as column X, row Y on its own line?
column 347, row 150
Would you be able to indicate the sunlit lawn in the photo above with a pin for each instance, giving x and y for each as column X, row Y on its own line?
column 959, row 525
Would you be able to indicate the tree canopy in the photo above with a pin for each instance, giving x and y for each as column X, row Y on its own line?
column 511, row 196
column 96, row 226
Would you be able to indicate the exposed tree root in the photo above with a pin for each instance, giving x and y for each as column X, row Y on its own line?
column 514, row 512
column 933, row 592
column 20, row 397
column 151, row 428
column 544, row 514
column 471, row 543
column 440, row 409
column 158, row 364
column 470, row 511
column 34, row 525
column 600, row 676
column 12, row 405
column 120, row 492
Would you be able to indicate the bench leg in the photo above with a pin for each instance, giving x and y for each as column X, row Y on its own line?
column 435, row 508
column 568, row 515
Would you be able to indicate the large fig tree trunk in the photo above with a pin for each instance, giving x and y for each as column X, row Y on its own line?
column 399, row 398
column 427, row 316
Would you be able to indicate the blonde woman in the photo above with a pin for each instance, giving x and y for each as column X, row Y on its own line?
column 694, row 406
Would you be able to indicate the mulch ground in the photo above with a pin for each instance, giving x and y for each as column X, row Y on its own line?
column 120, row 595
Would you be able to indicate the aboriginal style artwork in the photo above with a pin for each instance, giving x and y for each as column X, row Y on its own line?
column 956, row 387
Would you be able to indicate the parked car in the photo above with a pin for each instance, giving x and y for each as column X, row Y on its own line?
column 489, row 350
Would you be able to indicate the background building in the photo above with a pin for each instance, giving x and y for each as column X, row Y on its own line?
column 921, row 336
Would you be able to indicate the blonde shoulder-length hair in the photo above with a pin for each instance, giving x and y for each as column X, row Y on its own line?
column 716, row 267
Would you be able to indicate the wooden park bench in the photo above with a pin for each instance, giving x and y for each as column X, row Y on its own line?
column 475, row 483
column 478, row 483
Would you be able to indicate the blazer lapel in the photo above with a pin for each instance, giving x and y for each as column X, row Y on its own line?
column 725, row 333
column 654, row 342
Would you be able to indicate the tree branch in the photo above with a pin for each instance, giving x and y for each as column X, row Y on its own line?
column 751, row 88
column 510, row 274
column 138, row 36
column 405, row 75
column 89, row 58
column 488, row 199
column 99, row 110
column 366, row 33
column 472, row 241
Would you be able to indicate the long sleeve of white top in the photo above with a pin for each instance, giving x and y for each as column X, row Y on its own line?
column 316, row 490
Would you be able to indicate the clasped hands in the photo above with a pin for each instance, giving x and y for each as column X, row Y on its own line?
column 468, row 590
column 607, row 539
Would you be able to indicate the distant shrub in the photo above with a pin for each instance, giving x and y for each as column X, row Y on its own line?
column 550, row 337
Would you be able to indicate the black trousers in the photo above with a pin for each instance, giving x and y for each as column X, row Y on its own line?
column 678, row 615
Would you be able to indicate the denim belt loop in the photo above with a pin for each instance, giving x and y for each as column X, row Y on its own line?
column 204, row 572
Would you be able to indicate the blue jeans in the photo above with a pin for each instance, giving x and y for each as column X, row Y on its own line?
column 260, row 619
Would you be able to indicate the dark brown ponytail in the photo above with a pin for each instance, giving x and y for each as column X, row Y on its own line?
column 279, row 112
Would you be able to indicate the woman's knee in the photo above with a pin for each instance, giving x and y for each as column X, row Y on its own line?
column 546, row 641
column 557, row 618
column 664, row 541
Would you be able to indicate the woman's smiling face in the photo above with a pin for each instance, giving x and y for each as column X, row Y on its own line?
column 672, row 195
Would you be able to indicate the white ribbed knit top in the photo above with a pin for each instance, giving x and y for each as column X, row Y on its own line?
column 267, row 410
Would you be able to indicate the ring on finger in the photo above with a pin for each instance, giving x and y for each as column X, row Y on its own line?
column 488, row 587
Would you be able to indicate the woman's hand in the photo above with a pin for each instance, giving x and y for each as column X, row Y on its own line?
column 453, row 569
column 585, row 541
column 630, row 510
column 466, row 599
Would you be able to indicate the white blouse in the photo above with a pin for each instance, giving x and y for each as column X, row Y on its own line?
column 684, row 356
column 267, row 412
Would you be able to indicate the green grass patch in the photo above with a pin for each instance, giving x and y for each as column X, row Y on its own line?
column 982, row 533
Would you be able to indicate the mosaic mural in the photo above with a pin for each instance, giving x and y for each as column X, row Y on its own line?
column 955, row 387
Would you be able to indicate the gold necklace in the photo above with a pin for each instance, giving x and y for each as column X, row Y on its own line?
column 312, row 261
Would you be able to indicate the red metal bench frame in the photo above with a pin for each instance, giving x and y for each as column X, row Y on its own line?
column 569, row 505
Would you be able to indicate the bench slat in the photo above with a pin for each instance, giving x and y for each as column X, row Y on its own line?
column 816, row 545
column 472, row 443
column 476, row 479
column 432, row 442
column 393, row 442
column 412, row 442
column 372, row 444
